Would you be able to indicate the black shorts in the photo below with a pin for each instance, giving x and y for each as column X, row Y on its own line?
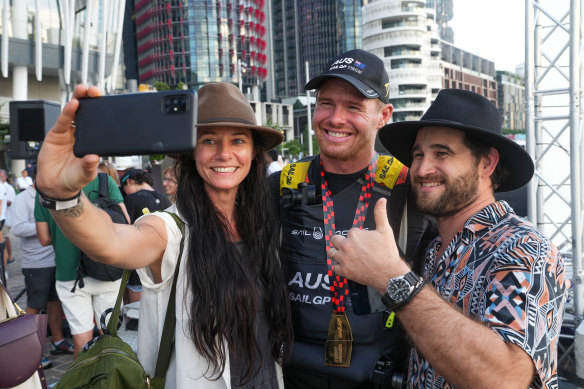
column 2, row 223
column 40, row 286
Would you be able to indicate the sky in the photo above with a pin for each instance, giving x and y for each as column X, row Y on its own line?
column 492, row 29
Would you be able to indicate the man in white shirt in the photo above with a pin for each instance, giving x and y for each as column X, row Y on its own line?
column 24, row 181
column 272, row 158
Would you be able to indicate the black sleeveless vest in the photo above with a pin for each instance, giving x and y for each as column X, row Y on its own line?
column 304, row 254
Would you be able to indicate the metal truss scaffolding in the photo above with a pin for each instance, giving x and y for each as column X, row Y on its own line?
column 553, row 93
column 553, row 90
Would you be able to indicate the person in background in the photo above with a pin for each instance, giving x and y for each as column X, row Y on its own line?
column 488, row 310
column 24, row 181
column 30, row 169
column 106, row 167
column 38, row 268
column 170, row 184
column 111, row 171
column 81, row 305
column 140, row 198
column 140, row 195
column 10, row 196
column 274, row 165
column 3, row 209
column 231, row 301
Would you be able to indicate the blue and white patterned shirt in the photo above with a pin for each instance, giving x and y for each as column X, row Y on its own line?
column 501, row 271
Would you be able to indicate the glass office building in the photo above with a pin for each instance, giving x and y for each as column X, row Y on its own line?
column 313, row 31
column 201, row 41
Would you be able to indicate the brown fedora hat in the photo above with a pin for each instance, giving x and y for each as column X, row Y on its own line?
column 473, row 114
column 222, row 104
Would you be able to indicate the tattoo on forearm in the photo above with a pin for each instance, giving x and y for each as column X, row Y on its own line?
column 73, row 212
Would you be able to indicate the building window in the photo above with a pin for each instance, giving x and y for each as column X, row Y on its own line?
column 406, row 63
column 401, row 50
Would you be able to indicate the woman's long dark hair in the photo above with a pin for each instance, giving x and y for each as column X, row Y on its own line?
column 225, row 284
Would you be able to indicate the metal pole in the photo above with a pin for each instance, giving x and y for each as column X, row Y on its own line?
column 530, row 107
column 38, row 52
column 575, row 139
column 103, row 45
column 117, row 48
column 4, row 53
column 86, row 35
column 239, row 75
column 308, row 114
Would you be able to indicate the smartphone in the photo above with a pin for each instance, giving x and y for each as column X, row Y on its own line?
column 137, row 124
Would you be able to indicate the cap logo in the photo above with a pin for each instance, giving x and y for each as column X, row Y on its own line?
column 360, row 65
column 341, row 63
column 386, row 89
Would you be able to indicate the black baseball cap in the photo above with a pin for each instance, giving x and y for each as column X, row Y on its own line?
column 365, row 71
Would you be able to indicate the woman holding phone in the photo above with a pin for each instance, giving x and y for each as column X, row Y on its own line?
column 233, row 318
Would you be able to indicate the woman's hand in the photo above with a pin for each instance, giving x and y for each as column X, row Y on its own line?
column 59, row 173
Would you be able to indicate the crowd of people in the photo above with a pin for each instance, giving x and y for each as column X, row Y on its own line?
column 50, row 262
column 349, row 269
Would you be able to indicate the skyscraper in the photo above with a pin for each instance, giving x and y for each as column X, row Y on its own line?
column 196, row 41
column 313, row 31
column 405, row 36
column 444, row 13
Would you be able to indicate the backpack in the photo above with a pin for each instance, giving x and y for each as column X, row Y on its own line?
column 87, row 266
column 107, row 362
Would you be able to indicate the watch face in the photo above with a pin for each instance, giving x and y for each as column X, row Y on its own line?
column 399, row 290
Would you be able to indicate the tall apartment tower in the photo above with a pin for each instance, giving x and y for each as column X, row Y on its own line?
column 404, row 34
column 313, row 31
column 201, row 41
column 444, row 13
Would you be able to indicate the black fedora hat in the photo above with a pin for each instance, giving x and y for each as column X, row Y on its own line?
column 476, row 116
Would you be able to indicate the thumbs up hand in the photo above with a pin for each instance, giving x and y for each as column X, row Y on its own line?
column 369, row 257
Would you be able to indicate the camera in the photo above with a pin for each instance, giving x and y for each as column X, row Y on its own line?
column 305, row 194
column 175, row 104
column 386, row 376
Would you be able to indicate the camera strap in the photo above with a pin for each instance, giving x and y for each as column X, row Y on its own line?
column 339, row 344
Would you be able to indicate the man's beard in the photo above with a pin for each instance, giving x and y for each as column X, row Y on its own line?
column 459, row 192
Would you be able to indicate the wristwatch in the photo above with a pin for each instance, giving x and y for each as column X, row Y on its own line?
column 400, row 290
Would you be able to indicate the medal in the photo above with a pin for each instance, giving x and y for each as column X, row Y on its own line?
column 339, row 344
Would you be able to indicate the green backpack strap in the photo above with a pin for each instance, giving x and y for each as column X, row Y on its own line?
column 167, row 340
column 112, row 326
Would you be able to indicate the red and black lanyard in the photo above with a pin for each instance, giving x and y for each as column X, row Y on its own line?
column 338, row 287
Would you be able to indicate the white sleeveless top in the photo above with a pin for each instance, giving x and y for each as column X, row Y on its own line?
column 193, row 370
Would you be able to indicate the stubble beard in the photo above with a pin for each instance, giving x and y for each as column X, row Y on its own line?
column 350, row 152
column 459, row 193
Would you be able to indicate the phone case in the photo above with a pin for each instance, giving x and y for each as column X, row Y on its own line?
column 137, row 124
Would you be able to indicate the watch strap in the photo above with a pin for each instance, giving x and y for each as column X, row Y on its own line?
column 58, row 204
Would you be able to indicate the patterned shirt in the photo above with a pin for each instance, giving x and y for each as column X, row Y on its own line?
column 502, row 271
